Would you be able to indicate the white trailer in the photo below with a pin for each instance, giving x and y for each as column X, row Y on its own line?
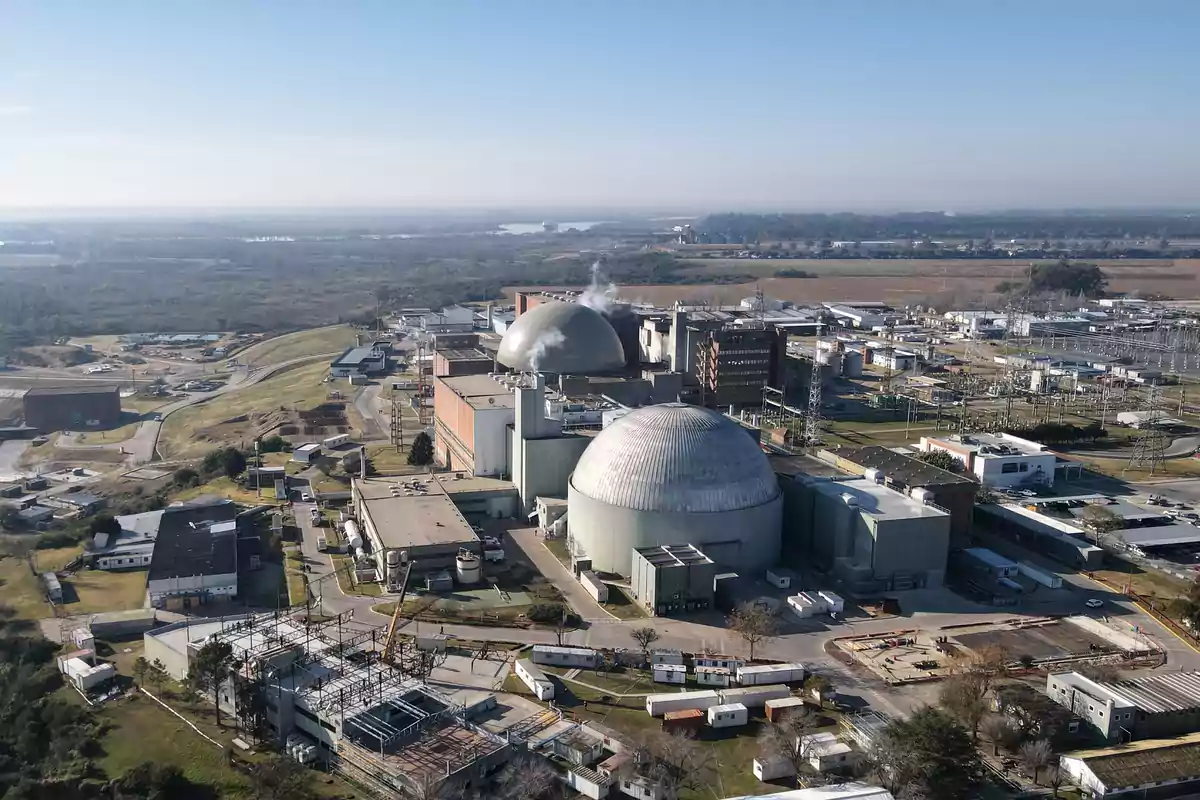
column 1039, row 575
column 728, row 715
column 85, row 676
column 770, row 673
column 336, row 441
column 550, row 655
column 535, row 679
column 780, row 578
column 807, row 605
column 834, row 604
column 669, row 673
column 772, row 769
column 659, row 704
column 755, row 696
column 713, row 676
column 595, row 587
column 728, row 662
column 665, row 656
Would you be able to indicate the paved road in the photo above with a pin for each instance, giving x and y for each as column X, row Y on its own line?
column 10, row 453
column 376, row 424
column 530, row 543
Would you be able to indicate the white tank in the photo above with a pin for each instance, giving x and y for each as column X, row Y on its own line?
column 353, row 537
column 852, row 364
column 359, row 553
column 393, row 558
column 468, row 567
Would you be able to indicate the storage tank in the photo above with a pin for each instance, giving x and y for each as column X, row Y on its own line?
column 353, row 536
column 852, row 364
column 359, row 553
column 467, row 567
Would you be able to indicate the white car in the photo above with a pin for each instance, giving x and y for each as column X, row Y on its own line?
column 1094, row 603
column 305, row 497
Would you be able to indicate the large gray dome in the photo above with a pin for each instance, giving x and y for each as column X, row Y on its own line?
column 566, row 338
column 675, row 458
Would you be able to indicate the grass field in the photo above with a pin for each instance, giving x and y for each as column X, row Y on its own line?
column 112, row 436
column 298, row 345
column 225, row 487
column 20, row 590
column 90, row 591
column 229, row 418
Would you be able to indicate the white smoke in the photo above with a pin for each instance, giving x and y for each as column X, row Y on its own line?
column 539, row 346
column 601, row 294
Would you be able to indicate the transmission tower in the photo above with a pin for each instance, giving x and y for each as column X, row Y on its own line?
column 812, row 419
column 397, row 422
column 422, row 384
column 1149, row 449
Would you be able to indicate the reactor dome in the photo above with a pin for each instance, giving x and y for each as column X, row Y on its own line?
column 675, row 474
column 565, row 338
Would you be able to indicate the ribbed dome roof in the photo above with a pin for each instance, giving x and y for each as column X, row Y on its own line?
column 675, row 458
column 566, row 338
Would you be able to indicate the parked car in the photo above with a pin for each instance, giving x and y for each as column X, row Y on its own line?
column 1094, row 603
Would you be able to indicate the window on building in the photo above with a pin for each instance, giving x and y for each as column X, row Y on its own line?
column 1024, row 467
column 1008, row 467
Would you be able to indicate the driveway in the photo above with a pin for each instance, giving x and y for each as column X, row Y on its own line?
column 529, row 540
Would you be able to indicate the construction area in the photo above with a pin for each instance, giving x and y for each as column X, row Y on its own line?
column 913, row 656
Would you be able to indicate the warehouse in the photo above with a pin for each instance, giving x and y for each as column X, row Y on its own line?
column 1154, row 768
column 875, row 538
column 194, row 563
column 998, row 459
column 674, row 475
column 369, row 360
column 414, row 516
column 672, row 579
column 68, row 408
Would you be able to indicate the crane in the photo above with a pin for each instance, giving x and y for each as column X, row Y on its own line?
column 389, row 644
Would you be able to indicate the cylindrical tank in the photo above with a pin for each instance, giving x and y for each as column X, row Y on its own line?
column 393, row 558
column 852, row 364
column 1037, row 380
column 468, row 567
column 353, row 537
column 359, row 553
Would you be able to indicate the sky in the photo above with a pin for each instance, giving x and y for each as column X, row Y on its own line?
column 690, row 105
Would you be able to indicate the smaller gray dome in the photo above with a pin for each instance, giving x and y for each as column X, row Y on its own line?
column 565, row 338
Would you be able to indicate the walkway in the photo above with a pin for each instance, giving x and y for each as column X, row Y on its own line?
column 529, row 540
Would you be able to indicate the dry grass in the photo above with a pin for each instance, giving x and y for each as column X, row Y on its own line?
column 112, row 436
column 21, row 591
column 224, row 487
column 298, row 345
column 91, row 591
column 229, row 419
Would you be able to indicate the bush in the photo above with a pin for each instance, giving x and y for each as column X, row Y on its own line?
column 552, row 613
column 274, row 444
column 52, row 539
column 186, row 477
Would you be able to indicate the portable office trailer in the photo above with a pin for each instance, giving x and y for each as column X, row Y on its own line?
column 807, row 605
column 755, row 696
column 713, row 676
column 665, row 656
column 659, row 704
column 692, row 719
column 535, row 679
column 83, row 638
column 991, row 562
column 550, row 655
column 669, row 673
column 594, row 586
column 772, row 769
column 336, row 441
column 85, row 676
column 729, row 715
column 834, row 603
column 770, row 673
column 780, row 577
column 86, row 656
column 780, row 707
column 728, row 662
column 1039, row 575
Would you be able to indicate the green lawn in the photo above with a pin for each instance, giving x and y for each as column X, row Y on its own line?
column 21, row 591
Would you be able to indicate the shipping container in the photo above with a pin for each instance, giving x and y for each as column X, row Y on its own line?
column 772, row 769
column 807, row 605
column 690, row 720
column 834, row 603
column 780, row 707
column 669, row 673
column 535, row 679
column 755, row 696
column 780, row 577
column 659, row 704
column 728, row 715
column 770, row 673
column 595, row 587
column 1039, row 575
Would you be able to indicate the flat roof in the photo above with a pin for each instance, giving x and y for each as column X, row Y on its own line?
column 192, row 540
column 975, row 443
column 356, row 355
column 673, row 555
column 481, row 391
column 803, row 465
column 48, row 390
column 468, row 484
column 1163, row 693
column 897, row 466
column 879, row 500
column 465, row 354
column 406, row 517
column 1161, row 535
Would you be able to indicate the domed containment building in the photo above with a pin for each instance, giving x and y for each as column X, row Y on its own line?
column 675, row 474
column 562, row 338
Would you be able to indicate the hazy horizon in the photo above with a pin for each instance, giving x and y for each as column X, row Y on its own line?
column 529, row 107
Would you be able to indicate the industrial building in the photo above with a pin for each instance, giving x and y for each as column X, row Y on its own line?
column 472, row 415
column 951, row 491
column 412, row 519
column 998, row 459
column 64, row 408
column 1154, row 768
column 875, row 538
column 1054, row 537
column 561, row 338
column 195, row 560
column 672, row 579
column 332, row 701
column 133, row 547
column 1146, row 707
column 364, row 361
column 734, row 364
column 674, row 475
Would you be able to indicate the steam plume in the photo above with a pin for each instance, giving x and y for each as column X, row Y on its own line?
column 601, row 294
column 538, row 347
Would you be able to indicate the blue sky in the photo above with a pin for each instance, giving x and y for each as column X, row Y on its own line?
column 699, row 105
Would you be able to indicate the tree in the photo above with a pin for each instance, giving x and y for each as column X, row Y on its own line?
column 141, row 668
column 214, row 661
column 644, row 637
column 104, row 523
column 157, row 673
column 1100, row 520
column 233, row 463
column 784, row 740
column 153, row 781
column 673, row 762
column 753, row 623
column 818, row 685
column 1001, row 730
column 274, row 444
column 1036, row 755
column 929, row 756
column 1055, row 778
column 280, row 778
column 421, row 452
column 941, row 459
column 527, row 777
column 965, row 692
column 186, row 476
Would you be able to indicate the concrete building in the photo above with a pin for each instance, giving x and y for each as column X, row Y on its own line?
column 841, row 791
column 893, row 358
column 194, row 563
column 953, row 492
column 851, row 317
column 364, row 360
column 63, row 408
column 133, row 547
column 1146, row 707
column 674, row 475
column 455, row 361
column 998, row 459
column 561, row 338
column 472, row 415
column 672, row 579
column 875, row 538
column 413, row 518
column 734, row 365
column 1052, row 536
column 306, row 453
column 1154, row 768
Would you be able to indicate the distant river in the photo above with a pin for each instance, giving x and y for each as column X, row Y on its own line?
column 536, row 227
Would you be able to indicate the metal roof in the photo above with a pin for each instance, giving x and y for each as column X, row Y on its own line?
column 676, row 458
column 1160, row 694
column 564, row 338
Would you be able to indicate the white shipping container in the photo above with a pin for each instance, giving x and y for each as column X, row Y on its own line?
column 664, row 656
column 770, row 673
column 772, row 769
column 669, row 673
column 337, row 441
column 833, row 603
column 659, row 704
column 1039, row 575
column 729, row 715
column 779, row 579
column 535, row 679
column 595, row 587
column 755, row 696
